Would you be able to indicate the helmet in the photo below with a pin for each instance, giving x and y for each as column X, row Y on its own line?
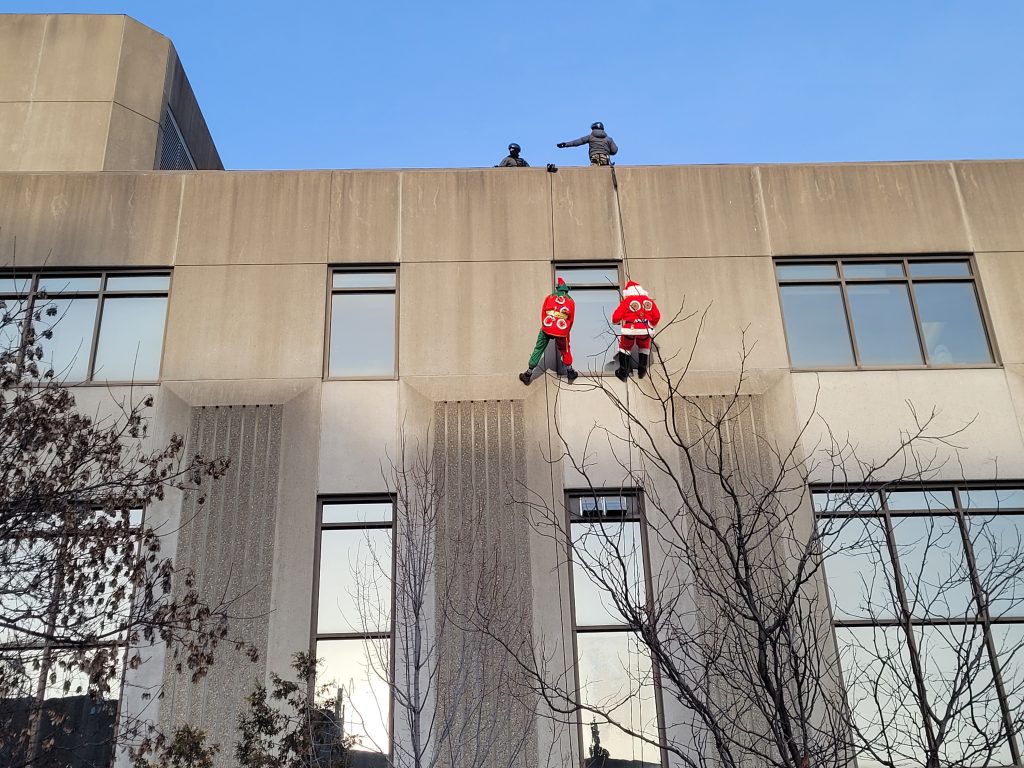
column 513, row 146
column 598, row 126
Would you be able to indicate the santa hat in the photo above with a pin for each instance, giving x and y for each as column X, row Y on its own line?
column 633, row 289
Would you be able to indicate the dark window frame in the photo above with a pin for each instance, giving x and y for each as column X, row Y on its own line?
column 981, row 618
column 558, row 266
column 907, row 279
column 636, row 514
column 101, row 294
column 332, row 292
column 356, row 526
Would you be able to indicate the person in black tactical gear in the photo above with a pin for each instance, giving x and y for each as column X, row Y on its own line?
column 513, row 160
column 602, row 146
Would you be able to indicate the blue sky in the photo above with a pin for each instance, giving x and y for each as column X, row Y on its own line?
column 448, row 84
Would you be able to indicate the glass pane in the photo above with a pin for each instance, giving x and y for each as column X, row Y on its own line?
column 608, row 566
column 879, row 687
column 355, row 581
column 138, row 282
column 593, row 341
column 850, row 501
column 816, row 325
column 356, row 671
column 366, row 512
column 930, row 500
column 957, row 675
column 18, row 286
column 27, row 588
column 602, row 506
column 131, row 339
column 67, row 353
column 364, row 279
column 998, row 542
column 362, row 334
column 1008, row 640
column 993, row 498
column 883, row 324
column 951, row 322
column 934, row 567
column 615, row 676
column 940, row 269
column 596, row 276
column 873, row 269
column 55, row 284
column 806, row 271
column 860, row 577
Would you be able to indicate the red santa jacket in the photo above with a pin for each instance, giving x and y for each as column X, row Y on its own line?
column 557, row 314
column 637, row 313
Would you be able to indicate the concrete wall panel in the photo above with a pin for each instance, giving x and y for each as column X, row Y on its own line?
column 295, row 538
column 251, row 322
column 359, row 421
column 255, row 218
column 737, row 293
column 871, row 208
column 585, row 218
column 871, row 410
column 1001, row 279
column 64, row 136
column 79, row 58
column 13, row 119
column 993, row 195
column 478, row 318
column 692, row 211
column 142, row 70
column 182, row 101
column 21, row 39
column 365, row 217
column 131, row 141
column 89, row 219
column 497, row 214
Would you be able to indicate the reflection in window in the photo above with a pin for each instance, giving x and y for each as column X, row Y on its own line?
column 106, row 327
column 595, row 289
column 910, row 612
column 896, row 312
column 363, row 325
column 353, row 616
column 615, row 673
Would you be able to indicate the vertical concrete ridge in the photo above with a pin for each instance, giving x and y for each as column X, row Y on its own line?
column 110, row 117
column 227, row 542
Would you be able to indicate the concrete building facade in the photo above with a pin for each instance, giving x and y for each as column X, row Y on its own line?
column 302, row 323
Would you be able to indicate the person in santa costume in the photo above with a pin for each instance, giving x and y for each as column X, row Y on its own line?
column 556, row 316
column 638, row 315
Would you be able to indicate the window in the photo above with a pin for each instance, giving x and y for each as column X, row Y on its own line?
column 362, row 339
column 879, row 312
column 925, row 582
column 614, row 667
column 352, row 619
column 595, row 289
column 108, row 326
column 71, row 607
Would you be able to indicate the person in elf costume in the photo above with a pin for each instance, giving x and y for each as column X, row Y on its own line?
column 556, row 316
column 638, row 315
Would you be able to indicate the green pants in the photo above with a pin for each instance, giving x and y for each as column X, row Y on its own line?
column 561, row 342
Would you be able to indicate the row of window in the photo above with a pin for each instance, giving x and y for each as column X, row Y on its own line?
column 841, row 314
column 905, row 572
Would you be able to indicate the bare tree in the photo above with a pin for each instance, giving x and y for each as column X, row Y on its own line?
column 733, row 624
column 82, row 579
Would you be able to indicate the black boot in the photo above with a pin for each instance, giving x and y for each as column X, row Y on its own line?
column 571, row 374
column 525, row 377
column 641, row 368
column 622, row 372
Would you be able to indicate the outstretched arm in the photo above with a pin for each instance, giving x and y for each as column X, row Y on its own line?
column 578, row 142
